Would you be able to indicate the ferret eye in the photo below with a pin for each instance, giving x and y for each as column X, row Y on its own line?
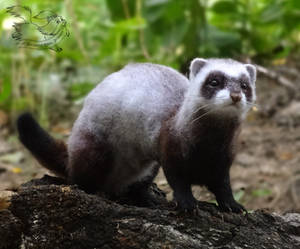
column 214, row 83
column 244, row 85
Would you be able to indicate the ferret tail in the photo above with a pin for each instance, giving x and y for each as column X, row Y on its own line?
column 51, row 153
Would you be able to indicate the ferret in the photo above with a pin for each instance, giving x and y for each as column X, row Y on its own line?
column 146, row 116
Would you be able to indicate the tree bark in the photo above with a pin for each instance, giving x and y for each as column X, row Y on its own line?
column 49, row 214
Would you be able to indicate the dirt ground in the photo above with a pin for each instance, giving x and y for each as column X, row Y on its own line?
column 265, row 174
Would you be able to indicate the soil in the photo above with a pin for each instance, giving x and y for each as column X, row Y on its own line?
column 265, row 174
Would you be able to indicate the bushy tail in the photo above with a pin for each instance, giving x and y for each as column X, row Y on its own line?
column 51, row 153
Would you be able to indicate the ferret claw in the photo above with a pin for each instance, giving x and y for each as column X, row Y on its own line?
column 232, row 207
column 187, row 208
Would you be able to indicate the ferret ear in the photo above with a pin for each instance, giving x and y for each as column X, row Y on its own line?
column 252, row 72
column 196, row 66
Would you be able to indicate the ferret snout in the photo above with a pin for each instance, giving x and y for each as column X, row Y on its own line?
column 236, row 97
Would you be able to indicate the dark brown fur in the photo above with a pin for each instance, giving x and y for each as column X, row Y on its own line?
column 206, row 161
column 49, row 152
column 90, row 174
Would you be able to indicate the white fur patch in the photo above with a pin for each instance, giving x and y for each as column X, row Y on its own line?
column 222, row 97
column 245, row 107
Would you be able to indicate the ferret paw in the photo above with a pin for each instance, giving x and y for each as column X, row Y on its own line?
column 231, row 206
column 187, row 205
column 145, row 200
column 138, row 198
column 149, row 201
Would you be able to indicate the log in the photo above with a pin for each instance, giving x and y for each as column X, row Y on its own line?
column 46, row 213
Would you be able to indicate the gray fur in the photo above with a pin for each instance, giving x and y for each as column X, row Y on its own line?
column 127, row 110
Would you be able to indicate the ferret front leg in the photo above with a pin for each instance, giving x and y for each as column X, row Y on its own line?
column 184, row 197
column 182, row 191
column 221, row 188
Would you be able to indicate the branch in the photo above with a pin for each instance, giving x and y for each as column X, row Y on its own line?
column 141, row 31
column 48, row 214
column 126, row 9
column 276, row 77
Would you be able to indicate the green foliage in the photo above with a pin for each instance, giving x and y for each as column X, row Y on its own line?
column 108, row 34
column 79, row 90
column 261, row 192
column 239, row 195
column 6, row 89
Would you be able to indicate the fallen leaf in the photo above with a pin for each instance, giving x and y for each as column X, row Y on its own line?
column 16, row 170
column 286, row 156
column 5, row 197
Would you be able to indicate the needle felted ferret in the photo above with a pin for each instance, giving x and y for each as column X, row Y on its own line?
column 146, row 116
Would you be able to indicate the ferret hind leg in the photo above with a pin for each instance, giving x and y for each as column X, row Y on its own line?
column 90, row 164
column 139, row 193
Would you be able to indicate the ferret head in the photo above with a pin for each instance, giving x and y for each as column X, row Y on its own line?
column 223, row 85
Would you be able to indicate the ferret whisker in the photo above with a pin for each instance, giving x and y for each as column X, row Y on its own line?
column 202, row 107
column 252, row 104
column 203, row 115
column 247, row 102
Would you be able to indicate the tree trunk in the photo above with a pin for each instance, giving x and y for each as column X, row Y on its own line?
column 48, row 214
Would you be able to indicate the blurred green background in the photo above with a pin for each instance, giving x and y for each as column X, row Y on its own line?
column 107, row 34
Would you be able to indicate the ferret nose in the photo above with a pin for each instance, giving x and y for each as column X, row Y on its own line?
column 236, row 97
